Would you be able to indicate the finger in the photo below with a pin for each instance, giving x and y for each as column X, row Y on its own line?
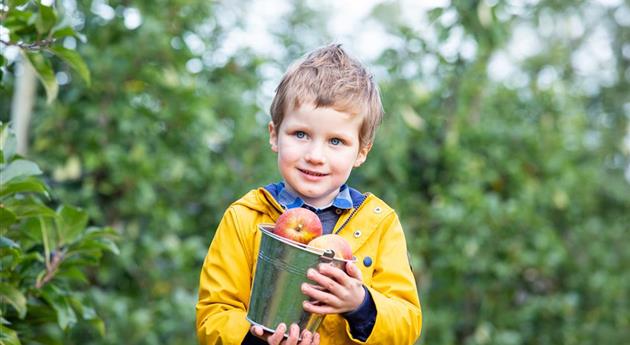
column 333, row 272
column 315, row 308
column 354, row 271
column 294, row 333
column 257, row 331
column 278, row 335
column 327, row 283
column 315, row 339
column 318, row 295
column 306, row 337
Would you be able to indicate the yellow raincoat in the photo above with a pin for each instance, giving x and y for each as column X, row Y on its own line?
column 373, row 230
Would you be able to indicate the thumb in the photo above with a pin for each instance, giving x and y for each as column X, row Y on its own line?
column 354, row 271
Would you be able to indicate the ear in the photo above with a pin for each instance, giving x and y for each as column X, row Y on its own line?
column 362, row 155
column 273, row 137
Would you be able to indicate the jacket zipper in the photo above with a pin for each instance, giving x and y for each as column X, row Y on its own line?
column 350, row 217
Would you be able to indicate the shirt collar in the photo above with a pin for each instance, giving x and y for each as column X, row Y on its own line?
column 288, row 200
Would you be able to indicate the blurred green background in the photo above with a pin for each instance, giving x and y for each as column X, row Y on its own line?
column 505, row 150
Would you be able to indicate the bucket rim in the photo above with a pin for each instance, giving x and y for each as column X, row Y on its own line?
column 267, row 229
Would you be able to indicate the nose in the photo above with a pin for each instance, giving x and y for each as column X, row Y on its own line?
column 315, row 154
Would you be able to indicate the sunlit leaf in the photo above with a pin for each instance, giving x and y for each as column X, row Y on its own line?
column 19, row 168
column 14, row 297
column 8, row 336
column 74, row 60
column 15, row 3
column 46, row 74
column 72, row 222
column 99, row 325
column 6, row 242
column 7, row 217
column 8, row 143
column 29, row 185
column 27, row 208
column 46, row 19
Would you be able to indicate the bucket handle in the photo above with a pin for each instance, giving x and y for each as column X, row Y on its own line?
column 327, row 256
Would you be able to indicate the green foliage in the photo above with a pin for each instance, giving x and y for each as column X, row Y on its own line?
column 43, row 254
column 38, row 31
column 512, row 192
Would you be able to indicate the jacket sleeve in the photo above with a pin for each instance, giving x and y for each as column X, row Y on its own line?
column 224, row 285
column 393, row 288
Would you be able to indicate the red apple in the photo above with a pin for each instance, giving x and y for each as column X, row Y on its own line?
column 298, row 224
column 338, row 244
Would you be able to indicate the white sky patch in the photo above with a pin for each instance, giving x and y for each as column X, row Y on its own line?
column 594, row 59
column 194, row 43
column 609, row 3
column 47, row 3
column 4, row 34
column 194, row 65
column 524, row 43
column 103, row 10
column 449, row 49
column 622, row 16
column 132, row 18
column 500, row 66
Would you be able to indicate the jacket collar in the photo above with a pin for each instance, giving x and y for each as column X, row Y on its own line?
column 346, row 199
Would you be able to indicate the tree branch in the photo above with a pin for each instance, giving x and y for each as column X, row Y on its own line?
column 37, row 45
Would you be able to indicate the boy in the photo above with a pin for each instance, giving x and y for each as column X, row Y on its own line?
column 324, row 116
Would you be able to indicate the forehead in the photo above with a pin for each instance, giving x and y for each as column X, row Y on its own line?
column 327, row 118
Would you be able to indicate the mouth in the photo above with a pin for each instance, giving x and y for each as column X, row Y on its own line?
column 311, row 173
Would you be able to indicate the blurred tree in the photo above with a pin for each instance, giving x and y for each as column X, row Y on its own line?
column 516, row 200
column 504, row 160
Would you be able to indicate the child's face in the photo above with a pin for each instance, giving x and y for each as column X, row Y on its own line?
column 317, row 149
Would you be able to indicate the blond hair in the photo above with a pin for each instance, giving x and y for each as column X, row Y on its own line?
column 329, row 77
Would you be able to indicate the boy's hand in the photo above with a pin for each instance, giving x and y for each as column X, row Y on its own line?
column 278, row 336
column 337, row 292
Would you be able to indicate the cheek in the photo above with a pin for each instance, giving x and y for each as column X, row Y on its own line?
column 343, row 162
column 288, row 153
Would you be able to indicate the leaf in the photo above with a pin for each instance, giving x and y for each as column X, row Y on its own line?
column 46, row 75
column 85, row 311
column 65, row 314
column 73, row 222
column 74, row 60
column 29, row 185
column 64, row 31
column 26, row 208
column 6, row 218
column 72, row 273
column 46, row 19
column 110, row 246
column 8, row 336
column 15, row 3
column 14, row 297
column 8, row 143
column 101, row 243
column 6, row 242
column 19, row 168
column 99, row 325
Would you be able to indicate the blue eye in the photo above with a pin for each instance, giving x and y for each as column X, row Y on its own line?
column 335, row 141
column 300, row 134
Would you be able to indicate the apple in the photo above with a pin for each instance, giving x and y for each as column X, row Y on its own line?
column 298, row 224
column 336, row 243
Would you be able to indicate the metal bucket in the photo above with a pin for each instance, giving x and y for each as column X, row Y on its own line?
column 280, row 271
